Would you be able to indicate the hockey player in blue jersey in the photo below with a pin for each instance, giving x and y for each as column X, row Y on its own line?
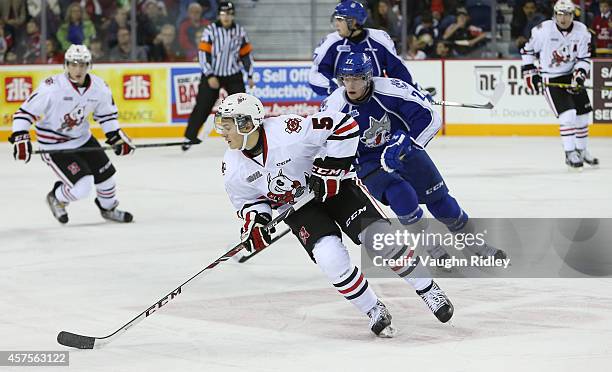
column 350, row 36
column 395, row 123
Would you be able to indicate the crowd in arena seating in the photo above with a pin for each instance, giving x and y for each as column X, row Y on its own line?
column 169, row 30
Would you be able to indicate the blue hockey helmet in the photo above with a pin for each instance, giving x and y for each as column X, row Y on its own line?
column 355, row 64
column 351, row 9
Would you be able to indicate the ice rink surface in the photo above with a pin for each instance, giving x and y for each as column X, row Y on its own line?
column 277, row 312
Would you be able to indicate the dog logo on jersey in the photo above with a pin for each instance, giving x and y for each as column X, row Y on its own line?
column 378, row 133
column 560, row 56
column 293, row 125
column 73, row 119
column 284, row 190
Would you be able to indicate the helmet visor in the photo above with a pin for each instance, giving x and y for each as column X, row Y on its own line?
column 225, row 123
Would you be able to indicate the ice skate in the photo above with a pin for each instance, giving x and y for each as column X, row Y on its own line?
column 486, row 250
column 573, row 160
column 380, row 321
column 437, row 302
column 586, row 157
column 57, row 207
column 114, row 214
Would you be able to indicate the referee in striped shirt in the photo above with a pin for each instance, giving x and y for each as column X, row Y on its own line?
column 224, row 51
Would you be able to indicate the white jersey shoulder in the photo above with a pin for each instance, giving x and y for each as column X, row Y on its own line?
column 336, row 101
column 382, row 37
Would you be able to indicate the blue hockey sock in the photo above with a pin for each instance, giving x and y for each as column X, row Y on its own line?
column 404, row 202
column 448, row 211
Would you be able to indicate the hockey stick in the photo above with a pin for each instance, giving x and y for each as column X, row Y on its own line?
column 105, row 148
column 88, row 342
column 577, row 87
column 498, row 92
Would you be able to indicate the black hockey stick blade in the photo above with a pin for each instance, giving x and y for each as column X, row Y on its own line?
column 76, row 341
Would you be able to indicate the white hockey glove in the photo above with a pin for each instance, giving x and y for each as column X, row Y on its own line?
column 253, row 234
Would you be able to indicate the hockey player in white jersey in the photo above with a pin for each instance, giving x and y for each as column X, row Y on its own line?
column 59, row 109
column 272, row 163
column 564, row 49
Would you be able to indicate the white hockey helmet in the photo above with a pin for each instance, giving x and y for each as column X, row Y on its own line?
column 564, row 7
column 77, row 53
column 243, row 108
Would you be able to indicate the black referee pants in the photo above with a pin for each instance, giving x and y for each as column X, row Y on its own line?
column 206, row 99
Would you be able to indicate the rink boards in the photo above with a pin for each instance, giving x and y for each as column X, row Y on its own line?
column 155, row 99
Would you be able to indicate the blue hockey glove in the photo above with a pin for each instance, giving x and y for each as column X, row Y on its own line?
column 399, row 147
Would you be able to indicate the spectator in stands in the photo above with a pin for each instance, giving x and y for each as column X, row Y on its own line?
column 96, row 48
column 188, row 28
column 53, row 13
column 120, row 20
column 122, row 52
column 414, row 51
column 466, row 37
column 150, row 22
column 54, row 55
column 194, row 57
column 383, row 18
column 29, row 46
column 522, row 23
column 443, row 50
column 209, row 9
column 427, row 32
column 76, row 29
column 165, row 48
column 3, row 42
column 11, row 58
column 602, row 24
column 13, row 12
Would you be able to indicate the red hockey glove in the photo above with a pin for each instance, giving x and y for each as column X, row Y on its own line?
column 121, row 143
column 324, row 181
column 578, row 79
column 253, row 234
column 533, row 80
column 22, row 147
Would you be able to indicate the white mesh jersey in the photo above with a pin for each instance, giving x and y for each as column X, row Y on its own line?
column 560, row 52
column 277, row 177
column 59, row 111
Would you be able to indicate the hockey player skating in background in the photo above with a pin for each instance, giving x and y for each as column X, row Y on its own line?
column 65, row 101
column 395, row 124
column 350, row 36
column 272, row 163
column 563, row 46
